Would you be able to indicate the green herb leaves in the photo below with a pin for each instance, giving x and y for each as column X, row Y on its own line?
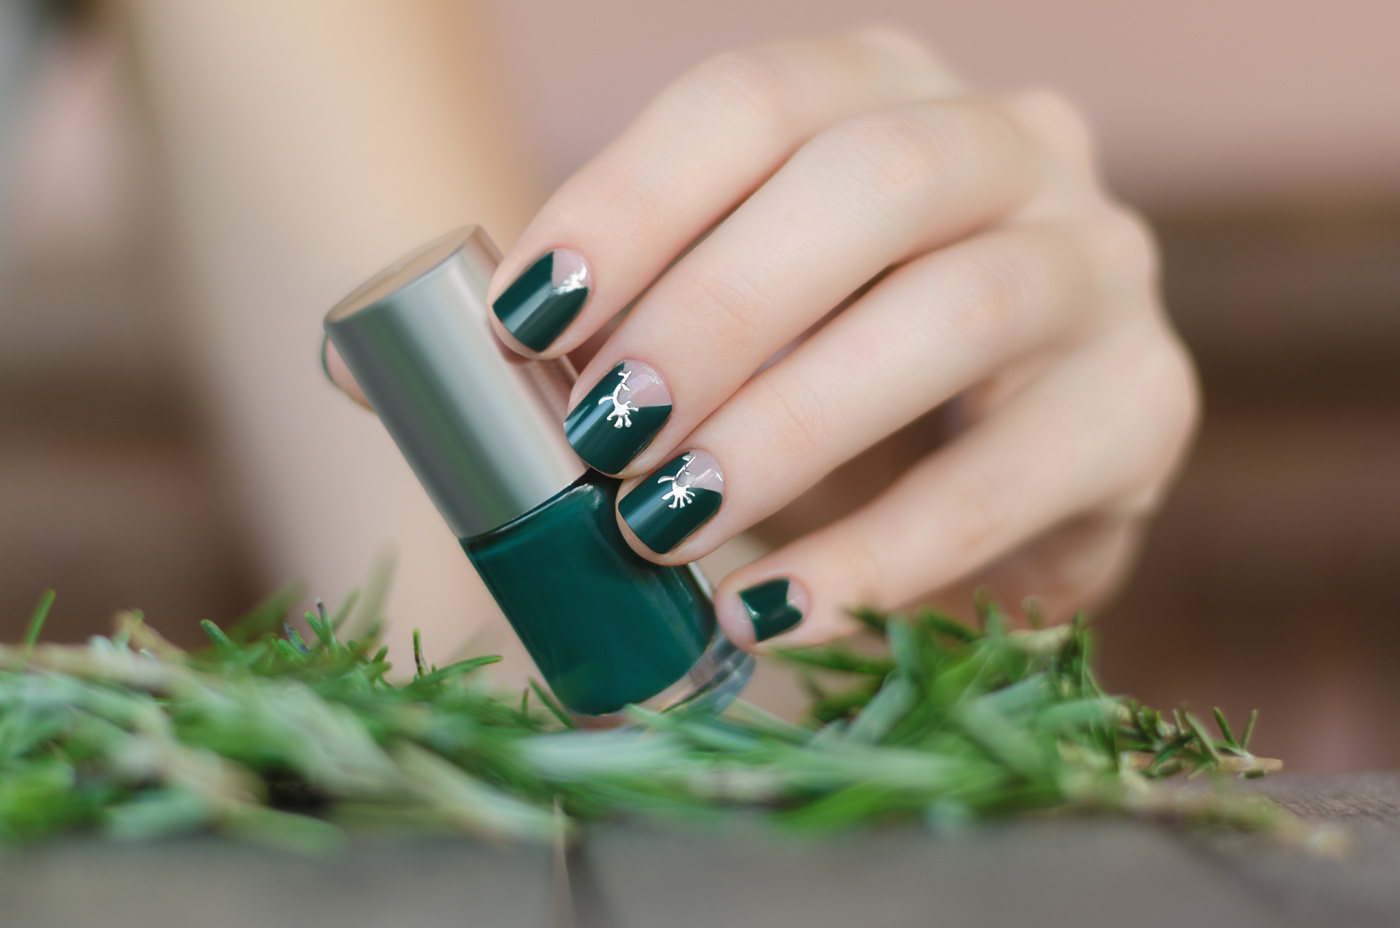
column 271, row 736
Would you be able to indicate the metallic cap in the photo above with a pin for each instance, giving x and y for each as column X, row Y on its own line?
column 481, row 428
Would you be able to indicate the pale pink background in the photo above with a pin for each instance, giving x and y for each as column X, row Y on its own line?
column 1198, row 102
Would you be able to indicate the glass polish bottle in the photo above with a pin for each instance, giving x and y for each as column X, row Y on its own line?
column 482, row 431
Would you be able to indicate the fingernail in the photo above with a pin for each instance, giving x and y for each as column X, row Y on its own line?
column 773, row 606
column 619, row 417
column 542, row 302
column 674, row 500
column 325, row 364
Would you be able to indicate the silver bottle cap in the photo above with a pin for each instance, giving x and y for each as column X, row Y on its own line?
column 481, row 428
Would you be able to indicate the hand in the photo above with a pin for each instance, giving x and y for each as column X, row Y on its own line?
column 898, row 242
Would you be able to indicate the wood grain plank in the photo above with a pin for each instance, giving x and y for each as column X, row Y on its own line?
column 1050, row 874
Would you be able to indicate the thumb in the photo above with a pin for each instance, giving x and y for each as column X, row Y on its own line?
column 338, row 373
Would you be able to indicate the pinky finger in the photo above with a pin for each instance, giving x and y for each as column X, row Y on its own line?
column 338, row 373
column 1063, row 448
column 1074, row 566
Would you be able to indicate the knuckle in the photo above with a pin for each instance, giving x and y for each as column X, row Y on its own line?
column 750, row 83
column 1058, row 123
column 928, row 73
column 1134, row 244
column 995, row 296
column 895, row 155
column 892, row 38
column 797, row 415
column 1124, row 250
column 1179, row 383
column 647, row 202
column 1165, row 395
column 725, row 306
column 985, row 300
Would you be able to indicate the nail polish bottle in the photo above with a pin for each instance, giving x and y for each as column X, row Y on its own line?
column 483, row 432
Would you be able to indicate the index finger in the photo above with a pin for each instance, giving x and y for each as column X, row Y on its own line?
column 706, row 143
column 338, row 372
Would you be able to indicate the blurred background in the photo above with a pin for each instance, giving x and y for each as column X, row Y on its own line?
column 1262, row 137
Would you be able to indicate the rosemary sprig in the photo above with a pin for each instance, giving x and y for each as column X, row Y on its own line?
column 266, row 736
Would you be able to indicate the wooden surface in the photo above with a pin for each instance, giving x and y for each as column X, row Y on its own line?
column 1046, row 873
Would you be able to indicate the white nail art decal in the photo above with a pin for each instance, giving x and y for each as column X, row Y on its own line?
column 622, row 410
column 680, row 493
column 569, row 272
column 698, row 471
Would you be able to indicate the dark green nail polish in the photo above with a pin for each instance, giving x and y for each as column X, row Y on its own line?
column 605, row 626
column 542, row 302
column 619, row 417
column 673, row 501
column 770, row 608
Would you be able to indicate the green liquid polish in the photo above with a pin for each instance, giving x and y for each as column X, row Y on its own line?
column 535, row 310
column 481, row 431
column 769, row 608
column 605, row 626
column 605, row 440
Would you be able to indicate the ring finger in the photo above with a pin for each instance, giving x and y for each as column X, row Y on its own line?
column 1064, row 446
column 707, row 142
column 926, row 332
column 865, row 195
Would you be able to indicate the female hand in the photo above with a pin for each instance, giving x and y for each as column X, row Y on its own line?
column 898, row 241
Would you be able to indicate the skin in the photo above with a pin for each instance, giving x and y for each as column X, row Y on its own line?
column 302, row 147
column 1006, row 280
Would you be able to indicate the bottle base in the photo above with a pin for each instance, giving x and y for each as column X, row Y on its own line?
column 712, row 684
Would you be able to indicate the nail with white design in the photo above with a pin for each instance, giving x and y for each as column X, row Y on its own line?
column 618, row 418
column 672, row 502
column 541, row 303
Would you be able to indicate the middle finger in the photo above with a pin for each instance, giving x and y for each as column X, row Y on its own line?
column 929, row 330
column 868, row 193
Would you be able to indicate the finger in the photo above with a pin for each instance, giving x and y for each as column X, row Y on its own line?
column 1057, row 125
column 338, row 372
column 698, row 150
column 868, row 193
column 926, row 332
column 1064, row 446
column 1072, row 567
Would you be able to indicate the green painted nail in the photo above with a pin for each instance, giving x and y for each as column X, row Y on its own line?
column 770, row 608
column 674, row 500
column 542, row 302
column 619, row 417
